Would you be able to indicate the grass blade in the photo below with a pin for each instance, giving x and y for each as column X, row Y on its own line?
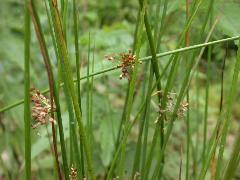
column 27, row 112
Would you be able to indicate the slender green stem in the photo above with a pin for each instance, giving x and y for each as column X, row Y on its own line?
column 234, row 159
column 157, row 19
column 64, row 17
column 89, row 131
column 151, row 44
column 27, row 112
column 162, row 26
column 188, row 111
column 188, row 125
column 206, row 103
column 216, row 170
column 91, row 98
column 207, row 88
column 76, row 29
column 193, row 47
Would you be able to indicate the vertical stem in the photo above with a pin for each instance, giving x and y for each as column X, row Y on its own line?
column 188, row 137
column 154, row 62
column 187, row 15
column 91, row 98
column 234, row 159
column 215, row 173
column 164, row 13
column 216, row 168
column 188, row 111
column 207, row 90
column 76, row 29
column 88, row 90
column 27, row 113
column 146, row 118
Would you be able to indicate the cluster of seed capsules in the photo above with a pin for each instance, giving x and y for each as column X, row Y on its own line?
column 41, row 109
column 126, row 61
column 73, row 173
column 170, row 104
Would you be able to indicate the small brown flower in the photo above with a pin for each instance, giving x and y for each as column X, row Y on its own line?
column 41, row 109
column 126, row 62
column 170, row 104
column 109, row 57
column 73, row 173
column 182, row 109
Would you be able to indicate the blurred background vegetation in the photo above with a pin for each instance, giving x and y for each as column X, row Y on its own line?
column 111, row 25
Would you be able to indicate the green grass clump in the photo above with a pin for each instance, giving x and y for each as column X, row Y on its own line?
column 170, row 115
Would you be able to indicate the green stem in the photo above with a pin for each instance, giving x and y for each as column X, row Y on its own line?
column 27, row 112
column 76, row 29
column 164, row 13
column 234, row 160
column 89, row 129
column 188, row 111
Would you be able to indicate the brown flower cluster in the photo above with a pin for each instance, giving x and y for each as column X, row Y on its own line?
column 126, row 61
column 73, row 173
column 171, row 102
column 41, row 109
column 182, row 109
